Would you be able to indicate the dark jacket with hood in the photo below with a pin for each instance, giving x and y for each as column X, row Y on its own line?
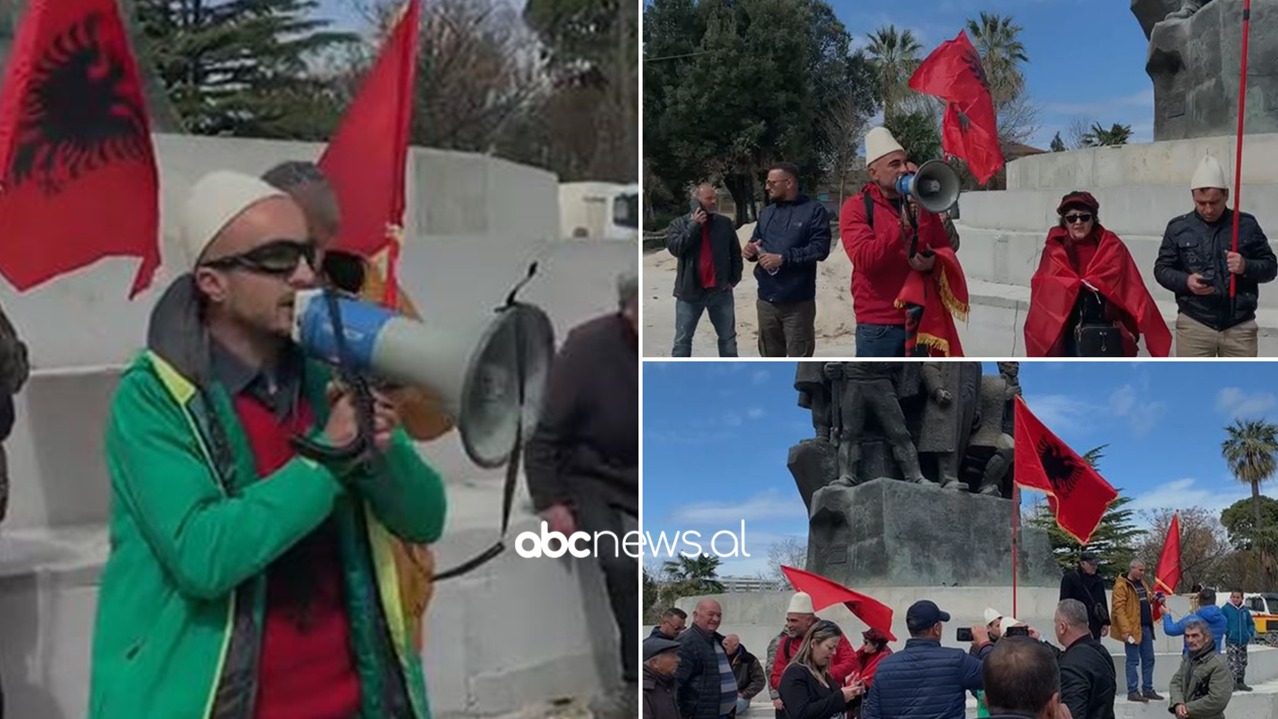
column 586, row 445
column 1192, row 245
column 799, row 231
column 684, row 240
column 659, row 696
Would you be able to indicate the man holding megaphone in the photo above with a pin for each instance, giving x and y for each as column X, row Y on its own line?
column 243, row 576
column 907, row 284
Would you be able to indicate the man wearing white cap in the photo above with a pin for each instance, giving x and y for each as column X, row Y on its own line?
column 244, row 578
column 799, row 618
column 875, row 228
column 1196, row 261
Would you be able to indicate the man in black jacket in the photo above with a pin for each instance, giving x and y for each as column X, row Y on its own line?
column 790, row 238
column 1085, row 585
column 582, row 462
column 747, row 669
column 707, row 688
column 15, row 369
column 1196, row 262
column 709, row 267
column 1022, row 681
column 1088, row 681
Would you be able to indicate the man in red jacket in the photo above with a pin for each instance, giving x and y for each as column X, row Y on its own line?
column 877, row 237
column 799, row 618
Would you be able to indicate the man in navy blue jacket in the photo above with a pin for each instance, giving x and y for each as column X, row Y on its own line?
column 926, row 679
column 790, row 238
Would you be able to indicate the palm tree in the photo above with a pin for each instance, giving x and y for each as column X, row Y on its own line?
column 695, row 574
column 1099, row 137
column 1251, row 451
column 995, row 38
column 894, row 56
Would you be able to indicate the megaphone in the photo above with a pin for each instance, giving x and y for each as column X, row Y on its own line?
column 935, row 186
column 490, row 380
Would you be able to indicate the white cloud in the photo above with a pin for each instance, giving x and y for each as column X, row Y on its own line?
column 1188, row 492
column 1143, row 415
column 1236, row 403
column 755, row 413
column 768, row 506
column 761, row 376
column 1102, row 108
column 1061, row 413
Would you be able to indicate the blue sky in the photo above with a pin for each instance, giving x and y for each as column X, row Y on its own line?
column 1086, row 57
column 716, row 436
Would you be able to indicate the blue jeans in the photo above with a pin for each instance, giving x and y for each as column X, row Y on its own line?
column 719, row 305
column 880, row 340
column 1142, row 654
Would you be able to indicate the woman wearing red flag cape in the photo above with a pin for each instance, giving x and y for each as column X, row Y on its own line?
column 1087, row 298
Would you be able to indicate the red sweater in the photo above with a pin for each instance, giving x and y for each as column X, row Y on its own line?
column 879, row 263
column 843, row 663
column 305, row 670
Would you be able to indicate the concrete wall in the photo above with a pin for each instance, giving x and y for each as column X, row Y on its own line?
column 514, row 633
column 1170, row 163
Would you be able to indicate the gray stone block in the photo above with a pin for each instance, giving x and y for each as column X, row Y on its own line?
column 893, row 533
column 814, row 464
column 1195, row 65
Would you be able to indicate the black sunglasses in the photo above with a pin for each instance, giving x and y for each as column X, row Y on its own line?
column 277, row 257
column 1071, row 219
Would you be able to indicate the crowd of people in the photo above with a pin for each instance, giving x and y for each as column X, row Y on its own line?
column 1087, row 296
column 692, row 671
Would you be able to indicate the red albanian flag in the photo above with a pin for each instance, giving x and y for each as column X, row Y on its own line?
column 1168, row 574
column 1077, row 495
column 953, row 73
column 366, row 160
column 825, row 593
column 78, row 178
column 1112, row 272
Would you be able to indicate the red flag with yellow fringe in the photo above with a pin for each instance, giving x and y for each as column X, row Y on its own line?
column 932, row 301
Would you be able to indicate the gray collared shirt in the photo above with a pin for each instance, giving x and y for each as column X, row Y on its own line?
column 279, row 390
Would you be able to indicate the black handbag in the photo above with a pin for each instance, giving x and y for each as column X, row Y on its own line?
column 1094, row 335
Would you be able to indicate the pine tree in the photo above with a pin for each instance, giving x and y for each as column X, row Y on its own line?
column 242, row 67
column 1114, row 542
column 1058, row 145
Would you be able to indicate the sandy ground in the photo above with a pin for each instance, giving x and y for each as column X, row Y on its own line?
column 834, row 320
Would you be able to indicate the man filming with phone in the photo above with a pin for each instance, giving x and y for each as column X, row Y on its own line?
column 888, row 237
column 926, row 679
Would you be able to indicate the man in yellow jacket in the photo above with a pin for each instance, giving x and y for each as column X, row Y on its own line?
column 1132, row 621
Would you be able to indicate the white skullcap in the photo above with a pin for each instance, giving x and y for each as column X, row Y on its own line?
column 800, row 603
column 991, row 614
column 1209, row 174
column 215, row 200
column 879, row 142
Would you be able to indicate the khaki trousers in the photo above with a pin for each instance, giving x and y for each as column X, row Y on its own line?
column 1195, row 339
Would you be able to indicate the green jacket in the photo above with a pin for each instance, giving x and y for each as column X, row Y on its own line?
column 1209, row 688
column 192, row 531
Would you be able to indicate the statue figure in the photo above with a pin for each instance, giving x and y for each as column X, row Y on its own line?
column 947, row 417
column 1010, row 372
column 815, row 394
column 1187, row 9
column 991, row 448
column 870, row 388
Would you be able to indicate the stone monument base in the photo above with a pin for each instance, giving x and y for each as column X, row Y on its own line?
column 889, row 532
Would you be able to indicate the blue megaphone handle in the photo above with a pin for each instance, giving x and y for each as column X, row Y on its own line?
column 362, row 323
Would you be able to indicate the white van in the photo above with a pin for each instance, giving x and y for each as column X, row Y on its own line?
column 599, row 210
